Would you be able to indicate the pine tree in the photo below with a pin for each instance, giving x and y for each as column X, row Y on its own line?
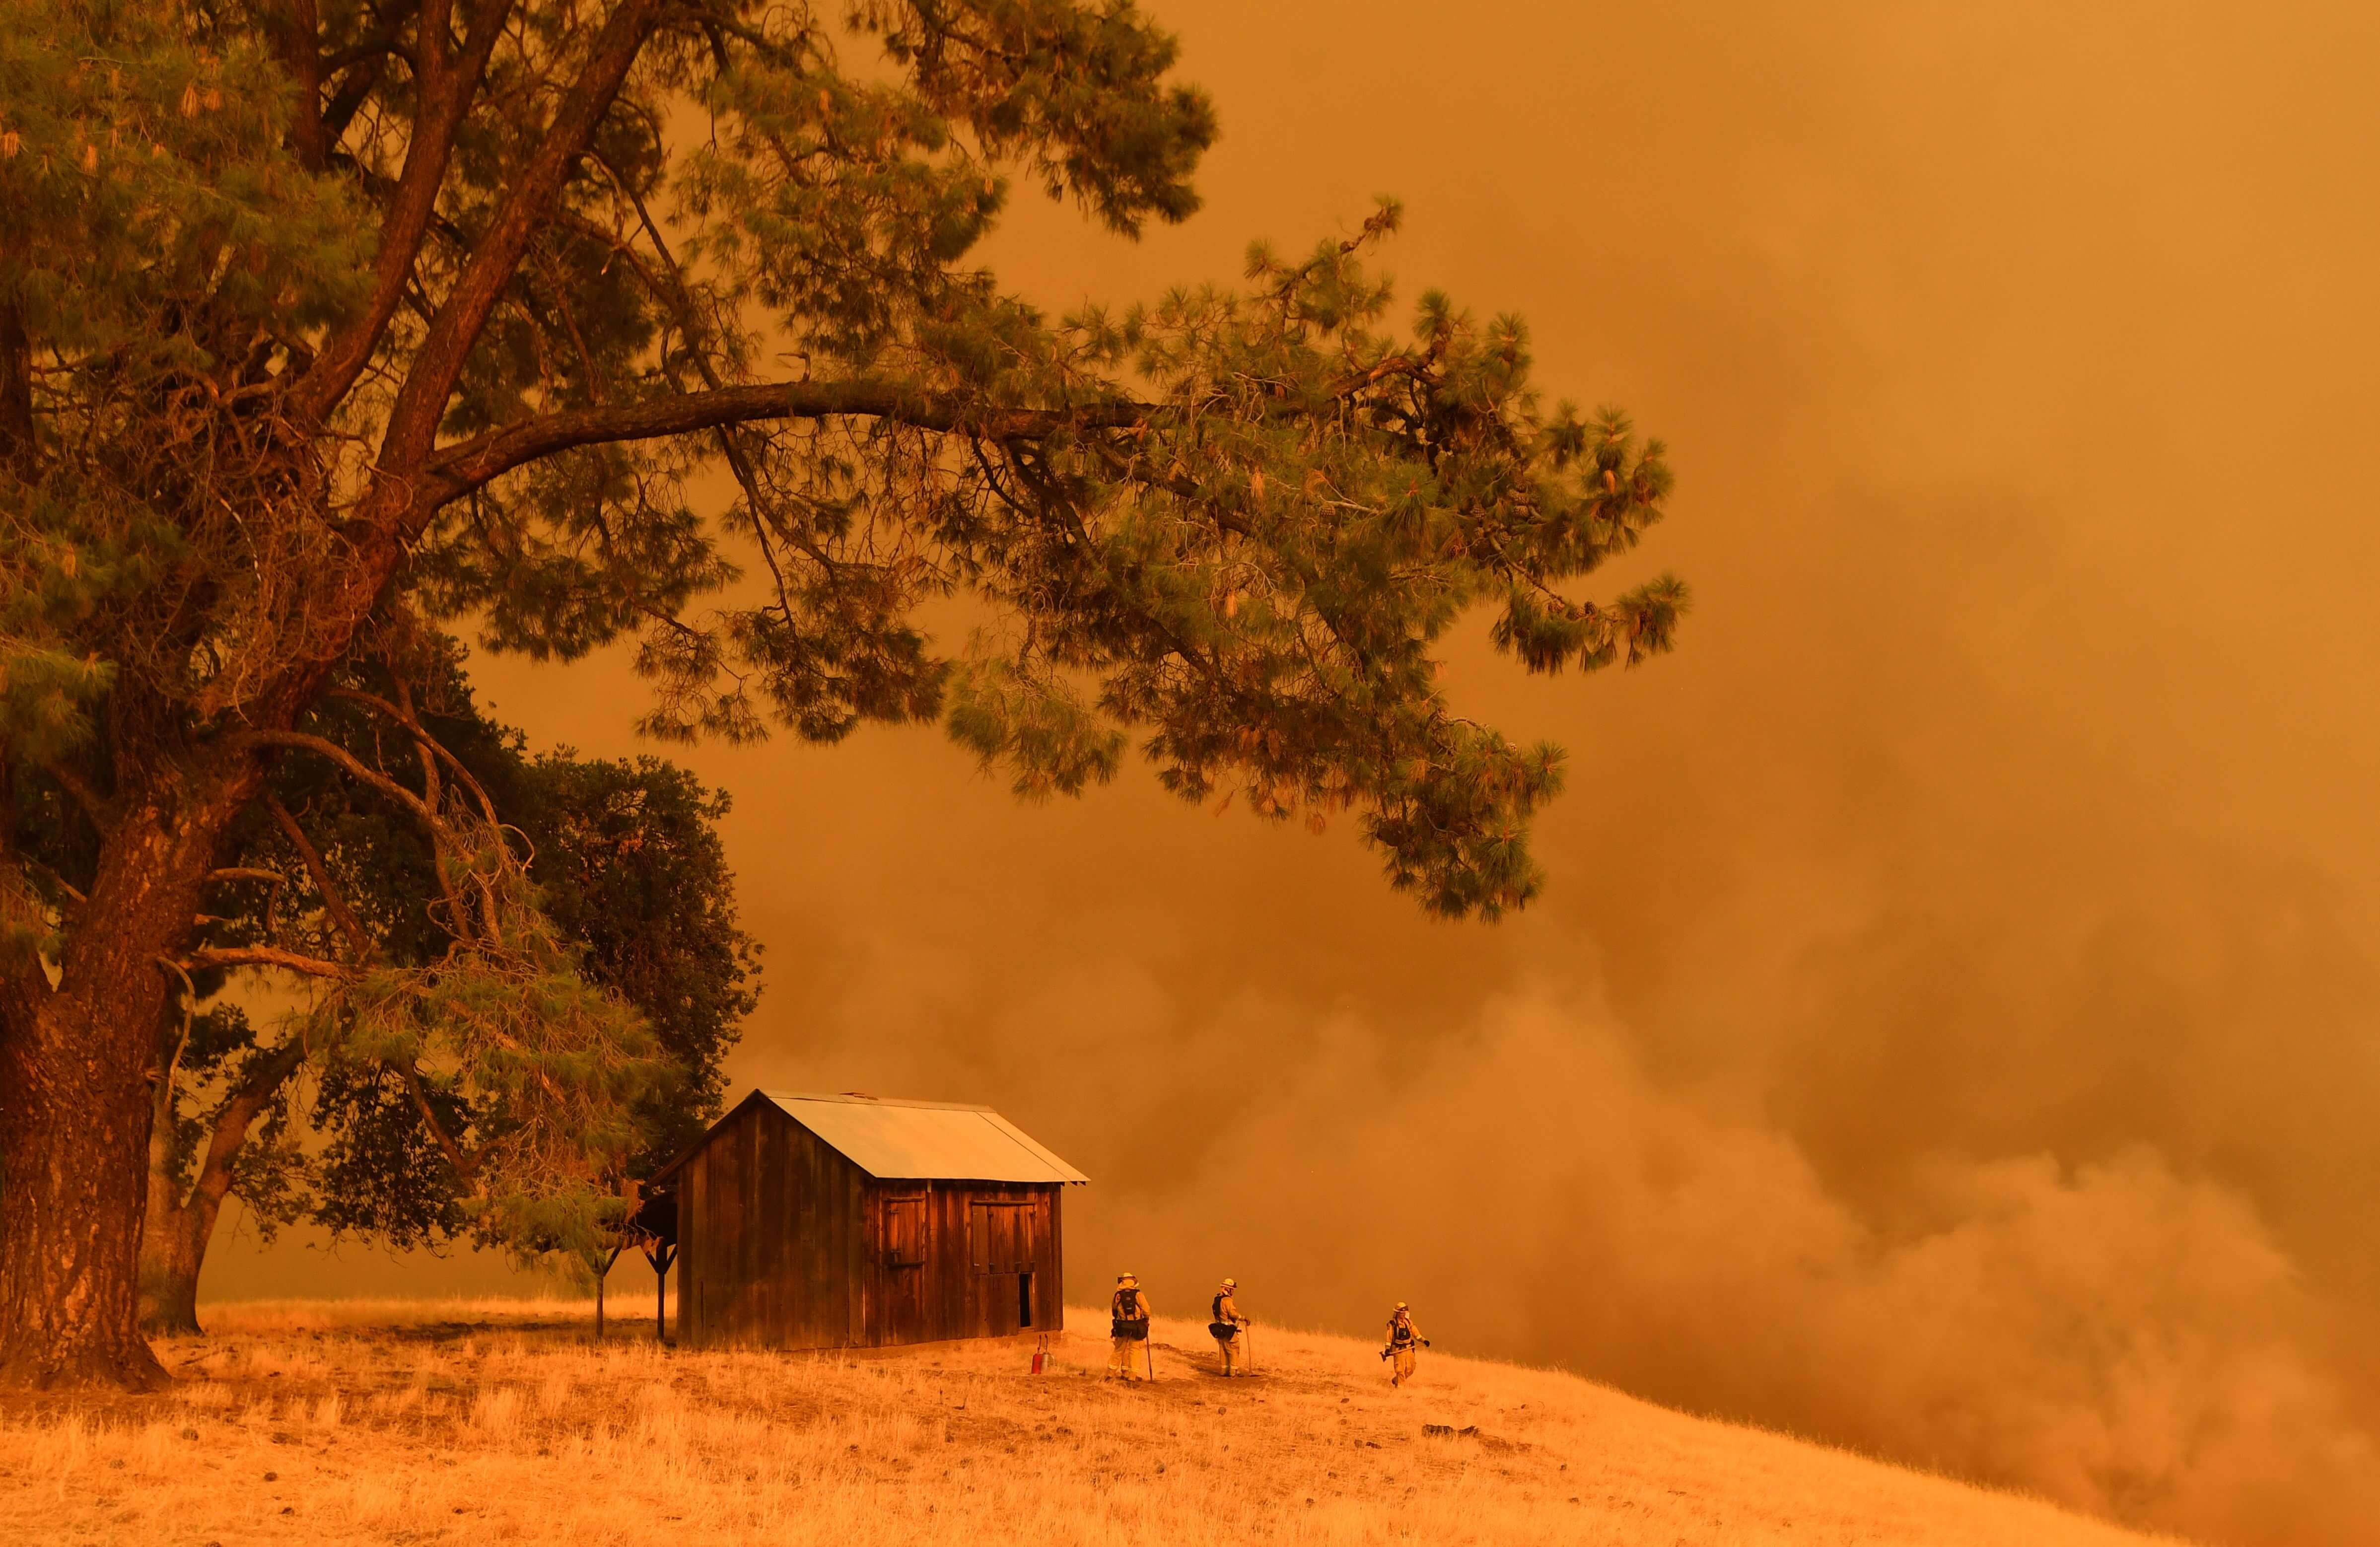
column 327, row 324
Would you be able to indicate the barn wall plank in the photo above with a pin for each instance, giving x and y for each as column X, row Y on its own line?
column 827, row 1217
column 834, row 1261
column 839, row 1262
column 950, row 1206
column 868, row 1312
column 806, row 1288
column 824, row 1322
column 955, row 1263
column 764, row 1286
column 1049, row 1269
column 714, row 1256
column 744, row 1149
column 798, row 1288
column 691, row 1238
column 817, row 1174
column 718, row 1302
column 760, row 1235
column 800, row 1222
column 851, row 1239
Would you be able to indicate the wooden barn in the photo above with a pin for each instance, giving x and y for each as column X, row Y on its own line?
column 855, row 1222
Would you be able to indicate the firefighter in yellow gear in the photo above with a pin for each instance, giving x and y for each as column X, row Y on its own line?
column 1226, row 1324
column 1405, row 1344
column 1128, row 1314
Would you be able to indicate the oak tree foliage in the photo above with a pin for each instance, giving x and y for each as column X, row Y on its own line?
column 299, row 1118
column 628, row 868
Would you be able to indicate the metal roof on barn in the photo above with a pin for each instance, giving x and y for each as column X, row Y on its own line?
column 906, row 1140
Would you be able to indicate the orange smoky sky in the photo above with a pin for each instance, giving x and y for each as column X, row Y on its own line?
column 1948, row 1027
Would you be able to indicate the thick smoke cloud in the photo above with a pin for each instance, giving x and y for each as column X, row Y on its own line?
column 2109, row 1334
column 1949, row 1028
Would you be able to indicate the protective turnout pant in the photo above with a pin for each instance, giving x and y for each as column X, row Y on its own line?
column 1125, row 1361
column 1400, row 1363
column 1229, row 1349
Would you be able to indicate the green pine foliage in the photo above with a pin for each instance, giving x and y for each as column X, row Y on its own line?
column 162, row 242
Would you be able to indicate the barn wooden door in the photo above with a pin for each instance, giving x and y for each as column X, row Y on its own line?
column 1000, row 1244
column 903, row 1242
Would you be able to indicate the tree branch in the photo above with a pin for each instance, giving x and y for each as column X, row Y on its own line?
column 429, row 760
column 232, row 1121
column 1417, row 367
column 358, row 940
column 356, row 86
column 84, row 795
column 273, row 878
column 464, row 1167
column 670, row 289
column 265, row 956
column 529, row 197
column 370, row 46
column 248, row 872
column 74, row 893
column 423, row 809
column 352, row 763
column 471, row 464
column 447, row 88
column 306, row 65
column 172, row 1039
column 413, row 725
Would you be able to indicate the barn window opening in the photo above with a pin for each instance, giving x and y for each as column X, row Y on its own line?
column 1024, row 1298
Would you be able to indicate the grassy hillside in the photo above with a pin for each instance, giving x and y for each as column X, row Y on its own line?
column 501, row 1422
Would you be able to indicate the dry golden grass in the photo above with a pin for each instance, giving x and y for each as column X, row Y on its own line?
column 501, row 1422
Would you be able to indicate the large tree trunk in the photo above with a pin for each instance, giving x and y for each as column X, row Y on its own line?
column 74, row 1138
column 76, row 1098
